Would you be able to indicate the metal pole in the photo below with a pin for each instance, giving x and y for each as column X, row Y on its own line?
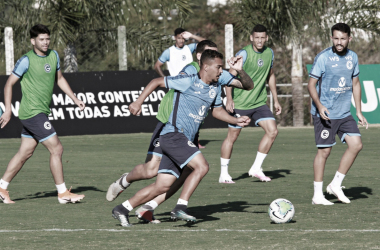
column 122, row 47
column 229, row 42
column 9, row 52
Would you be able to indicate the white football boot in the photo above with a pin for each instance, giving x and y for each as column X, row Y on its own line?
column 259, row 174
column 116, row 188
column 338, row 192
column 321, row 201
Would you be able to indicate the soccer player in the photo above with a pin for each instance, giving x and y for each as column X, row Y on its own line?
column 150, row 168
column 334, row 78
column 194, row 95
column 38, row 70
column 258, row 63
column 178, row 55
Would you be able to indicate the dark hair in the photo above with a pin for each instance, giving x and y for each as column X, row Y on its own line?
column 209, row 54
column 38, row 29
column 203, row 44
column 178, row 31
column 259, row 28
column 341, row 27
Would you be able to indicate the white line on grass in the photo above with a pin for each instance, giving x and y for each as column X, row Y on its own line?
column 193, row 230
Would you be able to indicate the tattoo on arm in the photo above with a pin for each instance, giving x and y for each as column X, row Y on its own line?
column 245, row 81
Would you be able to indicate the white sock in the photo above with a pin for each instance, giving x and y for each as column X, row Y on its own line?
column 338, row 179
column 3, row 184
column 258, row 161
column 152, row 204
column 127, row 205
column 182, row 202
column 61, row 188
column 318, row 189
column 224, row 166
column 124, row 182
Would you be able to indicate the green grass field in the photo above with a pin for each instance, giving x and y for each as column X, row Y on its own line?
column 229, row 216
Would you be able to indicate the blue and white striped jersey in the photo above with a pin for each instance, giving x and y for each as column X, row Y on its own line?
column 191, row 102
column 334, row 87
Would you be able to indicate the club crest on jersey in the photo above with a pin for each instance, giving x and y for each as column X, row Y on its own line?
column 342, row 82
column 260, row 62
column 190, row 144
column 202, row 110
column 325, row 134
column 183, row 57
column 349, row 64
column 212, row 93
column 47, row 125
column 156, row 143
column 47, row 68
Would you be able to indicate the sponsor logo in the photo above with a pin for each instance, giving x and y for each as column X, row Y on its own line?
column 342, row 82
column 198, row 85
column 212, row 93
column 183, row 57
column 197, row 92
column 325, row 134
column 348, row 58
column 202, row 110
column 335, row 65
column 260, row 62
column 156, row 143
column 47, row 68
column 334, row 58
column 197, row 118
column 190, row 144
column 47, row 125
column 349, row 64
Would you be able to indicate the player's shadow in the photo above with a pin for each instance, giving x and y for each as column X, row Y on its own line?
column 47, row 194
column 354, row 193
column 205, row 142
column 205, row 213
column 275, row 174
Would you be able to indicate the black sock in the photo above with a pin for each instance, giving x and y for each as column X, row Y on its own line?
column 180, row 207
column 147, row 207
column 120, row 208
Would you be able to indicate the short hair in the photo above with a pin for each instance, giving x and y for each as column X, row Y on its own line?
column 341, row 27
column 203, row 44
column 38, row 29
column 209, row 54
column 178, row 31
column 259, row 28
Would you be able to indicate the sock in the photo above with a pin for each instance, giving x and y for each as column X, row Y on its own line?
column 182, row 202
column 152, row 204
column 258, row 161
column 122, row 209
column 3, row 184
column 224, row 165
column 338, row 179
column 61, row 188
column 124, row 183
column 318, row 189
column 180, row 207
column 127, row 205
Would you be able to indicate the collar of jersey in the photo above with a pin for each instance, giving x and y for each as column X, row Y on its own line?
column 37, row 54
column 200, row 80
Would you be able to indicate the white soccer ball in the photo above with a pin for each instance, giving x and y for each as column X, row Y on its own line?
column 281, row 211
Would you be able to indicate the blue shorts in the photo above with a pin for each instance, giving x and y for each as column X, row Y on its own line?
column 257, row 115
column 325, row 131
column 38, row 127
column 177, row 152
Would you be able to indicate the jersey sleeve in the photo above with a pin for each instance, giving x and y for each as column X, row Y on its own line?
column 192, row 47
column 179, row 82
column 226, row 78
column 318, row 67
column 165, row 56
column 189, row 70
column 58, row 63
column 21, row 67
column 356, row 67
column 242, row 53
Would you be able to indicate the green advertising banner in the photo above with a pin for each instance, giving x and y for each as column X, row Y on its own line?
column 370, row 82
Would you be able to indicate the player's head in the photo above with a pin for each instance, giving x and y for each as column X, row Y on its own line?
column 258, row 37
column 341, row 37
column 40, row 37
column 212, row 64
column 179, row 40
column 203, row 45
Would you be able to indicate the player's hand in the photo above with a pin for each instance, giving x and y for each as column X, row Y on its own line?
column 236, row 63
column 80, row 104
column 230, row 106
column 362, row 120
column 323, row 112
column 5, row 118
column 135, row 108
column 186, row 34
column 277, row 108
column 243, row 121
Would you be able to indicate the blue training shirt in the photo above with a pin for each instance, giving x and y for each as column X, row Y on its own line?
column 165, row 56
column 224, row 79
column 334, row 87
column 244, row 54
column 191, row 102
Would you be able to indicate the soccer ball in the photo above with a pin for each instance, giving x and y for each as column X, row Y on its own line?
column 281, row 211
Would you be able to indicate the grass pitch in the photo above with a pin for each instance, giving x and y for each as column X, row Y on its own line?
column 230, row 216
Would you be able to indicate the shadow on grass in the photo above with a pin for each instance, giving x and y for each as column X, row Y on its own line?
column 275, row 174
column 205, row 142
column 354, row 193
column 46, row 194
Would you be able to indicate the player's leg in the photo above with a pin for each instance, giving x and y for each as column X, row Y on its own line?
column 27, row 147
column 226, row 152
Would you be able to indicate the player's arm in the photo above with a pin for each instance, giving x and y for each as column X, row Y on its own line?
column 157, row 68
column 65, row 87
column 135, row 107
column 357, row 94
column 4, row 119
column 272, row 86
column 230, row 105
column 314, row 95
column 220, row 114
column 188, row 35
column 236, row 67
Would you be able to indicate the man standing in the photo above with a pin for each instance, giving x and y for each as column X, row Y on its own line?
column 38, row 70
column 334, row 78
column 178, row 55
column 258, row 63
